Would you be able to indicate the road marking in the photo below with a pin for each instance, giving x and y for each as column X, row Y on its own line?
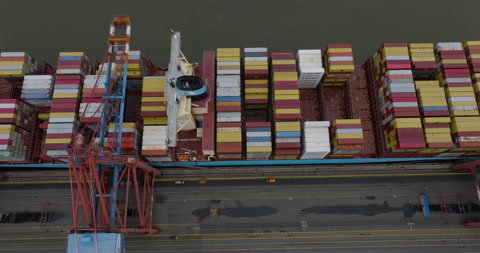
column 312, row 177
column 267, row 236
column 262, row 178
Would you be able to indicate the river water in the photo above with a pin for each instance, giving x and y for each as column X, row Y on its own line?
column 43, row 28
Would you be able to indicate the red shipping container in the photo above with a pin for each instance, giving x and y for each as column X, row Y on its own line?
column 229, row 108
column 282, row 56
column 90, row 100
column 55, row 146
column 229, row 124
column 153, row 94
column 287, row 152
column 455, row 66
column 287, row 145
column 286, row 106
column 153, row 114
column 58, row 136
column 229, row 147
column 440, row 145
column 403, row 99
column 256, row 101
column 435, row 113
column 161, row 103
column 412, row 145
column 338, row 54
column 347, row 126
column 256, row 86
column 68, row 77
column 258, row 124
column 295, row 116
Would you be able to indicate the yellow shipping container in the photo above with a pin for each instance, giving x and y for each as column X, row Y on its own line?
column 228, row 50
column 72, row 54
column 287, row 97
column 283, row 62
column 63, row 115
column 58, row 141
column 341, row 68
column 256, row 90
column 423, row 58
column 228, row 59
column 153, row 99
column 152, row 108
column 256, row 96
column 155, row 120
column 229, row 137
column 7, row 126
column 288, row 124
column 471, row 43
column 12, row 73
column 44, row 115
column 229, row 130
column 66, row 95
column 339, row 50
column 228, row 67
column 11, row 63
column 462, row 103
column 421, row 50
column 463, row 113
column 453, row 61
column 420, row 45
column 395, row 51
column 256, row 81
column 427, row 84
column 287, row 111
column 259, row 149
column 256, row 67
column 286, row 92
column 349, row 136
column 287, row 128
column 7, row 115
column 256, row 63
column 459, row 89
column 430, row 120
column 7, row 131
column 228, row 55
column 436, row 130
column 473, row 56
column 285, row 76
column 347, row 121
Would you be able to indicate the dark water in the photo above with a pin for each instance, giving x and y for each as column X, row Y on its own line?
column 45, row 27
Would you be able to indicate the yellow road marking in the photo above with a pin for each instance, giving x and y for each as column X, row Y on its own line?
column 263, row 178
column 310, row 177
column 268, row 236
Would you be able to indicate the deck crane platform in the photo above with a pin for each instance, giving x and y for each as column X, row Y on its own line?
column 102, row 180
column 180, row 87
column 474, row 168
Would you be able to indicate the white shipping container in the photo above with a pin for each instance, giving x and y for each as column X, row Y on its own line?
column 255, row 49
column 315, row 124
column 287, row 140
column 14, row 67
column 399, row 72
column 309, row 51
column 228, row 72
column 449, row 46
column 228, row 63
column 340, row 58
column 397, row 57
column 463, row 108
column 13, row 54
column 229, row 119
column 349, row 131
column 257, row 58
column 461, row 99
column 457, row 80
column 258, row 134
column 259, row 144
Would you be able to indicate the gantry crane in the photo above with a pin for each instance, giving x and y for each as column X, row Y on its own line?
column 102, row 180
column 180, row 86
column 474, row 168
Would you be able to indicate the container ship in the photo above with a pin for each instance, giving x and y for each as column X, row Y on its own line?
column 250, row 106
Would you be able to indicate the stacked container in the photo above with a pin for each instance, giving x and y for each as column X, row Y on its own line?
column 259, row 140
column 229, row 108
column 396, row 95
column 391, row 56
column 17, row 64
column 404, row 135
column 286, row 106
column 92, row 96
column 347, row 138
column 338, row 61
column 465, row 133
column 153, row 107
column 256, row 77
column 153, row 112
column 16, row 119
column 431, row 98
column 130, row 142
column 137, row 67
column 310, row 68
column 154, row 143
column 64, row 121
column 37, row 90
column 316, row 139
column 472, row 51
column 437, row 134
column 422, row 57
